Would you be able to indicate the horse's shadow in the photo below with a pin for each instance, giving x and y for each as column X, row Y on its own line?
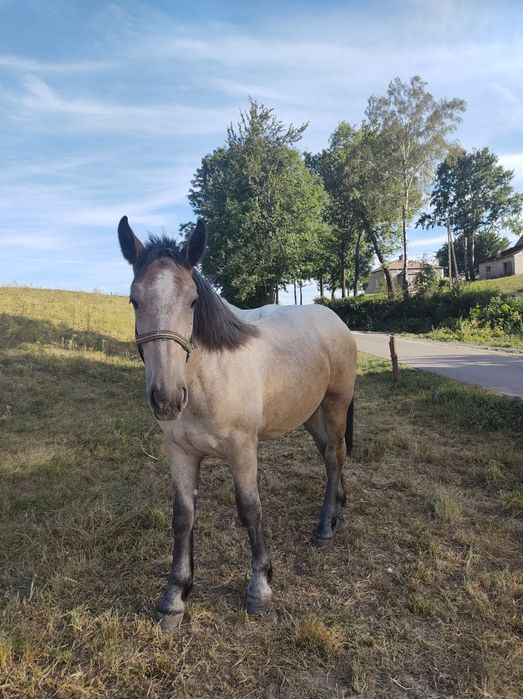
column 18, row 330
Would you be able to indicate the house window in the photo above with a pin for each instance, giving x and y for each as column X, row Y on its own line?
column 488, row 268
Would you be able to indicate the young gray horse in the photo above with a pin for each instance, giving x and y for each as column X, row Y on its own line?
column 239, row 383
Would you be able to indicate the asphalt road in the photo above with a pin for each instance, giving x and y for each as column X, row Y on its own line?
column 494, row 370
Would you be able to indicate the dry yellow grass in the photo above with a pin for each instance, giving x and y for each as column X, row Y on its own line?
column 419, row 596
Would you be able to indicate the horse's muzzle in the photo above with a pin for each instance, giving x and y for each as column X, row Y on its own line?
column 167, row 406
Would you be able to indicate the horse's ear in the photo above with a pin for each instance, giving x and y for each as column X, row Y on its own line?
column 195, row 245
column 132, row 248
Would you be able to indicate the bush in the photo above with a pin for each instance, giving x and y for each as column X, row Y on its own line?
column 418, row 313
column 427, row 281
column 459, row 313
column 503, row 314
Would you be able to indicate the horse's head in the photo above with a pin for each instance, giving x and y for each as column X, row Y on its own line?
column 164, row 294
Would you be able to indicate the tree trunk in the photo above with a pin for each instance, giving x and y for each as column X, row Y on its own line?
column 375, row 244
column 472, row 260
column 295, row 296
column 343, row 280
column 404, row 214
column 321, row 285
column 466, row 255
column 301, row 295
column 405, row 261
column 357, row 264
column 456, row 270
column 262, row 296
column 449, row 244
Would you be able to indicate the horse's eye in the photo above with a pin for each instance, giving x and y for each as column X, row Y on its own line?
column 193, row 304
column 135, row 305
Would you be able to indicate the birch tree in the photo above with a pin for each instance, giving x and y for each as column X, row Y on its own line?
column 412, row 127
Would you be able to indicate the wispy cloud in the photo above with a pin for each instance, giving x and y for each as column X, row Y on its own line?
column 428, row 242
column 40, row 102
column 20, row 64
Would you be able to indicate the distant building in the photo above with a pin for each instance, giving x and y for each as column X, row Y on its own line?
column 508, row 262
column 414, row 267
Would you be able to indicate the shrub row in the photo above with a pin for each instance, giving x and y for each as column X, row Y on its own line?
column 421, row 314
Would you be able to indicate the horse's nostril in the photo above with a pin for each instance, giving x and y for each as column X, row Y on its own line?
column 156, row 398
column 183, row 399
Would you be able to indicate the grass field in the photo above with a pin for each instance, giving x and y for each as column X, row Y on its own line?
column 419, row 597
column 507, row 285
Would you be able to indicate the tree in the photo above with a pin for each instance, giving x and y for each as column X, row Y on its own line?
column 412, row 128
column 488, row 243
column 262, row 205
column 473, row 194
column 427, row 280
column 343, row 254
column 358, row 211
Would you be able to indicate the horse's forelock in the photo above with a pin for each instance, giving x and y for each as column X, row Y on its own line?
column 158, row 247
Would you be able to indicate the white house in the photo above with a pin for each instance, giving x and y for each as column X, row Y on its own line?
column 508, row 262
column 414, row 267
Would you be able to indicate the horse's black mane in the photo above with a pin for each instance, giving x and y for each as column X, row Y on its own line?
column 215, row 326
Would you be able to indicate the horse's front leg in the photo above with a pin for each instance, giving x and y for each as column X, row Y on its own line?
column 244, row 465
column 185, row 471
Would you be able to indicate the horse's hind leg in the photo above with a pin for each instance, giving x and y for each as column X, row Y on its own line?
column 327, row 426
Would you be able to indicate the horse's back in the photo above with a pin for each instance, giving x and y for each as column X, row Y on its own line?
column 250, row 315
column 311, row 324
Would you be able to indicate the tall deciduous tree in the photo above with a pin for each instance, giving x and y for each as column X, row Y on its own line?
column 357, row 212
column 412, row 128
column 473, row 194
column 263, row 207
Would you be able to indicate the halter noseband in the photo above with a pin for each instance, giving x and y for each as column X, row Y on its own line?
column 163, row 335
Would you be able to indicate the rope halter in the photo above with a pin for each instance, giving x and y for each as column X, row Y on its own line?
column 163, row 335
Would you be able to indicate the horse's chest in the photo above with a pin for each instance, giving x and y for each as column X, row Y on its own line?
column 193, row 437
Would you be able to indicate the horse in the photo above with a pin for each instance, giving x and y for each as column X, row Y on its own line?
column 218, row 384
column 252, row 314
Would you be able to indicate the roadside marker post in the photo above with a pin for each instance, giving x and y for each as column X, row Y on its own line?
column 394, row 359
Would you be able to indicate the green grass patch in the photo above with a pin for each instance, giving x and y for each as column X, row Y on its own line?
column 433, row 397
column 506, row 285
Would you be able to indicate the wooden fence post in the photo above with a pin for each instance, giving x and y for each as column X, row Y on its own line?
column 394, row 358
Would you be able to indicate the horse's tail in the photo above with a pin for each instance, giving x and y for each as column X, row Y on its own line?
column 349, row 429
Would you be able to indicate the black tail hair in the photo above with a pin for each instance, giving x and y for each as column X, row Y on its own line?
column 349, row 430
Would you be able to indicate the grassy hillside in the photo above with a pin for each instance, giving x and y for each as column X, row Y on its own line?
column 67, row 318
column 418, row 596
column 506, row 285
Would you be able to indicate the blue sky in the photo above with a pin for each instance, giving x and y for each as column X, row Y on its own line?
column 106, row 108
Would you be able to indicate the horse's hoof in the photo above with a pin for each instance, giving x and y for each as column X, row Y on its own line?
column 323, row 542
column 257, row 605
column 169, row 622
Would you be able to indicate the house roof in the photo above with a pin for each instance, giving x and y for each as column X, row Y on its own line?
column 397, row 265
column 514, row 250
